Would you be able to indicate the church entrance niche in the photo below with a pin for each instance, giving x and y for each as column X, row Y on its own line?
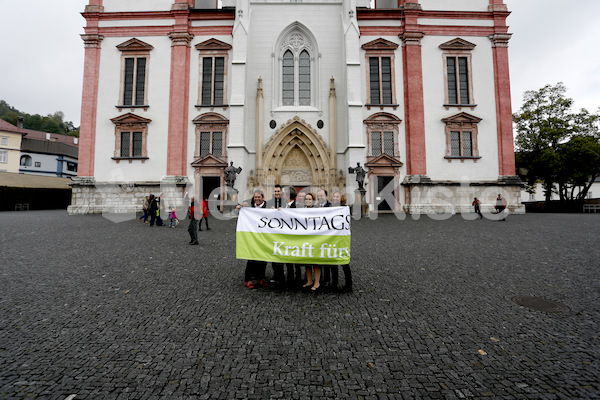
column 296, row 169
column 296, row 155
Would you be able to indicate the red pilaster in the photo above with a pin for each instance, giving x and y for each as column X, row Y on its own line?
column 179, row 93
column 89, row 97
column 416, row 160
column 506, row 152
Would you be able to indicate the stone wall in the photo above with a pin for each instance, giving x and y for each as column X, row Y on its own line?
column 91, row 197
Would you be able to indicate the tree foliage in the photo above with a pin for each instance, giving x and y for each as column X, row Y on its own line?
column 52, row 123
column 555, row 145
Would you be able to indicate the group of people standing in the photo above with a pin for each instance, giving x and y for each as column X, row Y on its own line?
column 316, row 277
column 153, row 210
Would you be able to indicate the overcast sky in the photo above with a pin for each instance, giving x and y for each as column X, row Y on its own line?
column 41, row 53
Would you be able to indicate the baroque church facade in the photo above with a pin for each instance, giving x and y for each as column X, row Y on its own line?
column 296, row 93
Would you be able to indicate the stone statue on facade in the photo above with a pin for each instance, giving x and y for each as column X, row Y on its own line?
column 360, row 175
column 231, row 173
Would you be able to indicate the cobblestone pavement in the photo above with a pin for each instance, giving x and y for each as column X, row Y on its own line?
column 104, row 310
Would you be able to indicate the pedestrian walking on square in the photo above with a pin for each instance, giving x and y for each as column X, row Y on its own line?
column 145, row 206
column 159, row 209
column 193, row 226
column 173, row 218
column 204, row 217
column 477, row 205
column 152, row 210
column 501, row 205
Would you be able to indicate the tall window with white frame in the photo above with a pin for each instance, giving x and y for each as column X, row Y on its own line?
column 461, row 137
column 131, row 136
column 457, row 55
column 214, row 57
column 382, row 142
column 135, row 56
column 380, row 56
column 211, row 142
column 213, row 81
column 211, row 136
column 296, row 71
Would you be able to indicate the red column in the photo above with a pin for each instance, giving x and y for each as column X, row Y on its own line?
column 179, row 93
column 89, row 104
column 506, row 151
column 414, row 110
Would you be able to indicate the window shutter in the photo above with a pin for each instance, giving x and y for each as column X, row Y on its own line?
column 219, row 79
column 374, row 80
column 452, row 94
column 128, row 89
column 125, row 144
column 137, row 144
column 388, row 143
column 464, row 80
column 217, row 144
column 140, row 84
column 376, row 143
column 304, row 79
column 467, row 146
column 207, row 80
column 204, row 143
column 288, row 79
column 386, row 80
column 455, row 144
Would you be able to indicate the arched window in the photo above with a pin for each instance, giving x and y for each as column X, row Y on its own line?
column 287, row 73
column 304, row 79
column 296, row 59
column 26, row 161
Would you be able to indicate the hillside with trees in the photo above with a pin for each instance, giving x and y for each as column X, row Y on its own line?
column 52, row 123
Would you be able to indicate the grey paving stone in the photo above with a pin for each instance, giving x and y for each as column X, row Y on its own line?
column 121, row 311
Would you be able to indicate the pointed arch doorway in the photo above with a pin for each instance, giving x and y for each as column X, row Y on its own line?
column 296, row 155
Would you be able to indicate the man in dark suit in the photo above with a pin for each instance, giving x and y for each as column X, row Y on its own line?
column 322, row 199
column 277, row 202
column 289, row 201
column 255, row 269
column 323, row 202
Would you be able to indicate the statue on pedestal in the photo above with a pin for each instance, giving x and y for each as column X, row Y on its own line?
column 360, row 175
column 231, row 173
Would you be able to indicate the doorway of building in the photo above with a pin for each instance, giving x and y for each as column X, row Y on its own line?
column 382, row 204
column 208, row 185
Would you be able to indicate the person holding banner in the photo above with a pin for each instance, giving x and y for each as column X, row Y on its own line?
column 339, row 200
column 312, row 237
column 289, row 199
column 324, row 202
column 256, row 269
column 277, row 202
column 313, row 272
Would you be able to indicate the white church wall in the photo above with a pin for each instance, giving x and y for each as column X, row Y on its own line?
column 136, row 5
column 158, row 75
column 325, row 26
column 455, row 5
column 438, row 168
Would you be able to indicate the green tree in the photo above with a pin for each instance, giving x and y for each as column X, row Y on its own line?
column 555, row 145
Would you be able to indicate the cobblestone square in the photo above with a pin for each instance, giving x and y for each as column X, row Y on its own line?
column 101, row 310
